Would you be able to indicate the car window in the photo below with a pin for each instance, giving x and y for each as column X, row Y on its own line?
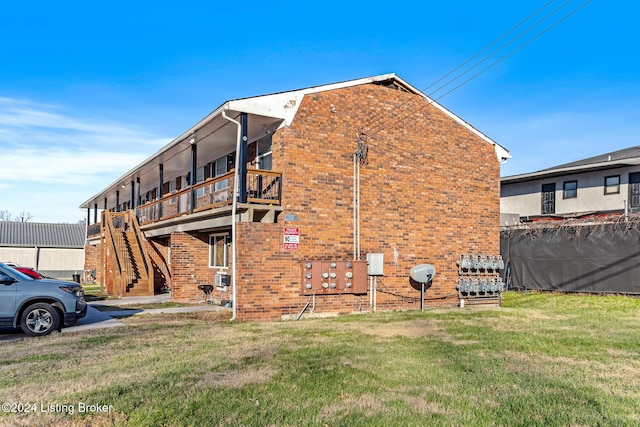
column 15, row 274
column 4, row 277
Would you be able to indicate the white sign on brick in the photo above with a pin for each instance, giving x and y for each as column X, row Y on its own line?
column 291, row 238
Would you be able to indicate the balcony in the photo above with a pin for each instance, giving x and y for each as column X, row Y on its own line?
column 263, row 189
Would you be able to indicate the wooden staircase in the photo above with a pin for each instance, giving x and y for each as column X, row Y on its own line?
column 132, row 270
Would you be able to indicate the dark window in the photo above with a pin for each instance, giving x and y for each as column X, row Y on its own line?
column 612, row 184
column 548, row 198
column 634, row 190
column 263, row 158
column 570, row 189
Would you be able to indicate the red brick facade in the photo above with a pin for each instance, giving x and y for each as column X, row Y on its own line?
column 429, row 193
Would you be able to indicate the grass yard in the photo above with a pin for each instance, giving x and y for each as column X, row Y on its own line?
column 539, row 360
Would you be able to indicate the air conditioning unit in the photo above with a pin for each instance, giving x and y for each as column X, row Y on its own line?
column 223, row 279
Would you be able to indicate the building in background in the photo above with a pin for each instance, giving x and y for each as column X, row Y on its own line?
column 56, row 250
column 608, row 184
column 327, row 177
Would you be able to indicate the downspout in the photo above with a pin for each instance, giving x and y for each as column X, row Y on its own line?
column 234, row 210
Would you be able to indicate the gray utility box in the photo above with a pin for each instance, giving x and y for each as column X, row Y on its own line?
column 375, row 264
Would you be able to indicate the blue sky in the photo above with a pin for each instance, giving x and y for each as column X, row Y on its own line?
column 89, row 89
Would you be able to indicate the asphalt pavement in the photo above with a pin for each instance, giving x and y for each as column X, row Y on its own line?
column 96, row 319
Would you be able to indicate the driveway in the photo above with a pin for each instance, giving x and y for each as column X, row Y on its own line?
column 96, row 319
column 93, row 320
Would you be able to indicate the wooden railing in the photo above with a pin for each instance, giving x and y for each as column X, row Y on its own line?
column 112, row 239
column 125, row 240
column 263, row 187
column 94, row 229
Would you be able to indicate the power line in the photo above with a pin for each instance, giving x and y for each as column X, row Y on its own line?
column 487, row 46
column 494, row 63
column 431, row 94
column 416, row 162
column 518, row 48
column 395, row 114
column 465, row 63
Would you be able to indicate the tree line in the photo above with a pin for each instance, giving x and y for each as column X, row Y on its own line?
column 5, row 215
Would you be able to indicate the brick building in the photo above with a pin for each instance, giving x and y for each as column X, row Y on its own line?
column 325, row 175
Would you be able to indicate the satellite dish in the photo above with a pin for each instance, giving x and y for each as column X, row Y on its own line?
column 423, row 273
column 420, row 278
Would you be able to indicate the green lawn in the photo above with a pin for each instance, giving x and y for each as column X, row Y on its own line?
column 539, row 360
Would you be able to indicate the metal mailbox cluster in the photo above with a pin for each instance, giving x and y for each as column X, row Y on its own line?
column 334, row 277
column 479, row 276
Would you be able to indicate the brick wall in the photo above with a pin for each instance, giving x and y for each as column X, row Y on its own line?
column 269, row 278
column 190, row 268
column 92, row 261
column 158, row 252
column 429, row 192
column 91, row 257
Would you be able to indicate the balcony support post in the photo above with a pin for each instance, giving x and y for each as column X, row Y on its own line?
column 242, row 173
column 133, row 195
column 137, row 201
column 160, row 185
column 192, row 178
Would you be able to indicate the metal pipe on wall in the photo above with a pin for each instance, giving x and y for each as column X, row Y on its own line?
column 356, row 207
column 355, row 250
column 234, row 210
column 358, row 175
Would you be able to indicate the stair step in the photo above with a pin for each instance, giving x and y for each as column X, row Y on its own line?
column 139, row 291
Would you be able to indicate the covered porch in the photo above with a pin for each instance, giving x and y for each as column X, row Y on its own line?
column 187, row 186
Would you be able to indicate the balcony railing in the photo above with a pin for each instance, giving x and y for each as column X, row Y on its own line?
column 94, row 229
column 263, row 187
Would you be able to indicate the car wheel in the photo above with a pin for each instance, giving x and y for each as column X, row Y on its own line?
column 40, row 319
